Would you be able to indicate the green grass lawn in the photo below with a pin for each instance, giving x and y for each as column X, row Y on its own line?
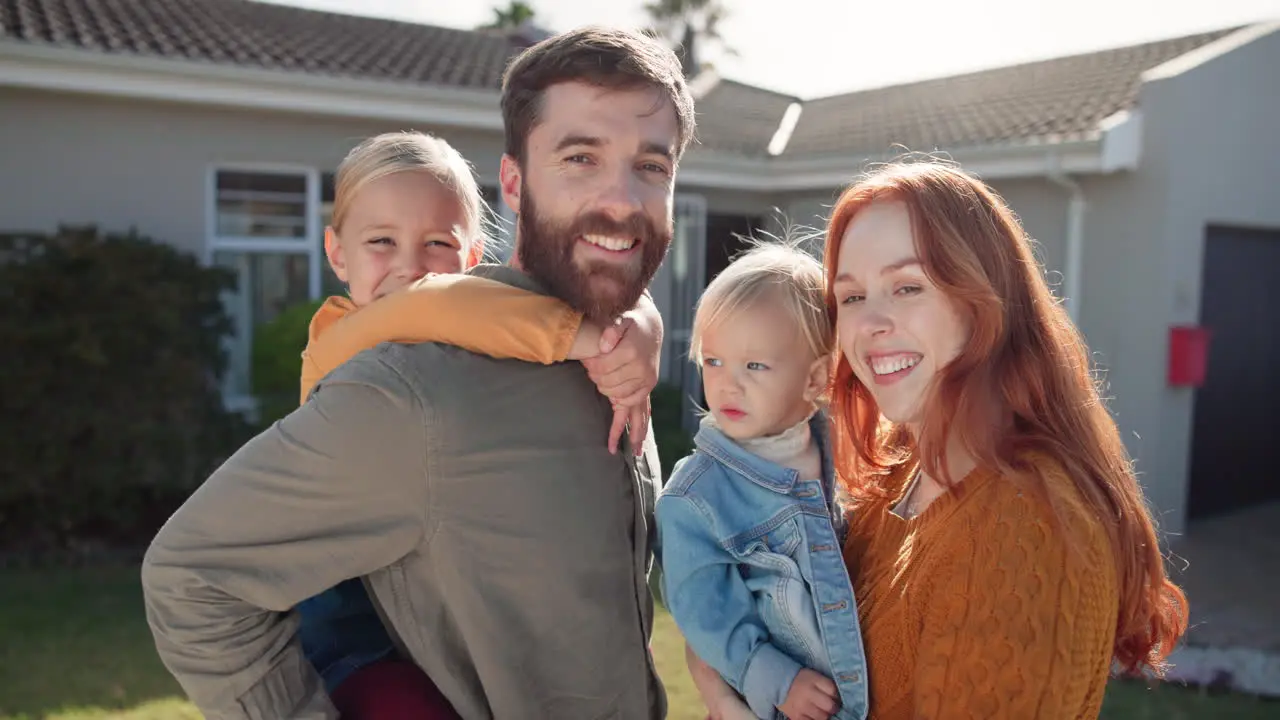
column 74, row 646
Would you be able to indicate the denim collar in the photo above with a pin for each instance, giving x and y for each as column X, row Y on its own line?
column 764, row 473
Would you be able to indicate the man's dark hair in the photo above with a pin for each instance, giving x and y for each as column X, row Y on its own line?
column 604, row 57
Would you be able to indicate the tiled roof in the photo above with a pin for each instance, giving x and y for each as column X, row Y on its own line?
column 734, row 117
column 1062, row 98
column 238, row 32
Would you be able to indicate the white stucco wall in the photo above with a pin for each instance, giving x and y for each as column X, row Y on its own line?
column 1211, row 154
column 119, row 163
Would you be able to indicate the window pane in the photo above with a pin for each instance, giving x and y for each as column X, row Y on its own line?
column 254, row 204
column 326, row 199
column 267, row 284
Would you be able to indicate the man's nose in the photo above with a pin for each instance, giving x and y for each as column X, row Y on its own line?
column 620, row 198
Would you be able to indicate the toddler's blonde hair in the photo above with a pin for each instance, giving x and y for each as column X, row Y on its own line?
column 778, row 271
column 411, row 151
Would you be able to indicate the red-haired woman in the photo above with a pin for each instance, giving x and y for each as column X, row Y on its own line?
column 1001, row 551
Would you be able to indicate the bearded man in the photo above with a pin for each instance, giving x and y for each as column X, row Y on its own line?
column 506, row 549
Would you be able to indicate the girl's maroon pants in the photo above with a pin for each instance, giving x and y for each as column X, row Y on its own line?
column 391, row 690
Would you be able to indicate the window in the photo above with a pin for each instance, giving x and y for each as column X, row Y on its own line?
column 267, row 284
column 267, row 224
column 261, row 205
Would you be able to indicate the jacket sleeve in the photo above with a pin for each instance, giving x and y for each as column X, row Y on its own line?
column 335, row 490
column 474, row 313
column 714, row 609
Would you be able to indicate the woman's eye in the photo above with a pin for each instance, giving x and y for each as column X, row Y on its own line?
column 909, row 290
column 851, row 298
column 381, row 241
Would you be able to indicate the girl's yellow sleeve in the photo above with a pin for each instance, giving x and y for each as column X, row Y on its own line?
column 477, row 314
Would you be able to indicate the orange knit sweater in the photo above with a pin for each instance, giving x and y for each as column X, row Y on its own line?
column 976, row 608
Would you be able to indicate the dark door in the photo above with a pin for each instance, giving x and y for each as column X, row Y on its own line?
column 724, row 239
column 1235, row 446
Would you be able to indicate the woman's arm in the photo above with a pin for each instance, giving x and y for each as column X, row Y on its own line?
column 721, row 701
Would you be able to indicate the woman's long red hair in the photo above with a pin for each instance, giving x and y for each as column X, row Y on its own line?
column 1022, row 383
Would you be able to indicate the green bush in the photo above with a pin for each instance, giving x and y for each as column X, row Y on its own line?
column 110, row 384
column 277, row 360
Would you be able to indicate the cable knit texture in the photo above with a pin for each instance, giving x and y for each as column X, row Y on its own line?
column 982, row 606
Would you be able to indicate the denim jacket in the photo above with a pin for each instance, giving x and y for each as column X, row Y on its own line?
column 752, row 572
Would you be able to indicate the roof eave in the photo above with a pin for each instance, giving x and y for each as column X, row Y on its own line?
column 1112, row 148
column 37, row 66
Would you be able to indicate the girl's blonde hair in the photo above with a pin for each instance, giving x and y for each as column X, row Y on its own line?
column 397, row 152
column 779, row 271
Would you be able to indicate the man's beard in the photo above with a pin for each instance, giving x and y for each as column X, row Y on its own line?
column 602, row 290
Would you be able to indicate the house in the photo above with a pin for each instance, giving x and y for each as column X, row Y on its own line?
column 1148, row 174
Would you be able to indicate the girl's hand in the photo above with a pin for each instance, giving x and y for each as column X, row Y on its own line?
column 626, row 370
column 630, row 353
column 622, row 385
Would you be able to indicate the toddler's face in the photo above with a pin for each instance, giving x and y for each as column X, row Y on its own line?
column 398, row 228
column 759, row 375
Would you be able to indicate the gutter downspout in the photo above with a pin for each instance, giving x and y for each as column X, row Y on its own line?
column 1074, row 250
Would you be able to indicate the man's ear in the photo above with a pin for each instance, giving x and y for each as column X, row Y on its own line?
column 509, row 179
column 333, row 251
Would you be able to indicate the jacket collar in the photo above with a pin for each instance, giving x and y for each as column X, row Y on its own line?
column 769, row 475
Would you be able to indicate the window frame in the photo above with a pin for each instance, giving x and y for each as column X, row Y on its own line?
column 311, row 244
